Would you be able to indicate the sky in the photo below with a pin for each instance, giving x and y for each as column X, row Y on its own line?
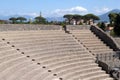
column 56, row 8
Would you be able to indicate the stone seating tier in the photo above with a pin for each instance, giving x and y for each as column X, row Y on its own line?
column 91, row 42
column 46, row 56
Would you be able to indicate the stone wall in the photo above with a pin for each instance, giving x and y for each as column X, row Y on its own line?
column 77, row 27
column 105, row 38
column 20, row 27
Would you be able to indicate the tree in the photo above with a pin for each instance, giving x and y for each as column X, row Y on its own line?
column 21, row 19
column 102, row 26
column 77, row 17
column 92, row 17
column 69, row 17
column 112, row 17
column 117, row 25
column 13, row 19
column 40, row 20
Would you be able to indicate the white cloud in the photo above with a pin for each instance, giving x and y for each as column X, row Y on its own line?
column 29, row 14
column 73, row 10
column 11, row 13
column 54, row 13
column 102, row 10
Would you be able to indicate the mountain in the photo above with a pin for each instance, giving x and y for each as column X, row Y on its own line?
column 105, row 18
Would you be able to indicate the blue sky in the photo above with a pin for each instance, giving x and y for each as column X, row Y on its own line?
column 53, row 8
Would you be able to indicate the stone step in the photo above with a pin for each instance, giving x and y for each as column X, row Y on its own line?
column 40, row 38
column 92, row 42
column 36, row 35
column 77, row 68
column 95, row 45
column 9, row 63
column 32, row 32
column 5, row 48
column 66, row 61
column 7, row 52
column 47, row 55
column 102, row 52
column 44, row 43
column 99, row 76
column 98, row 47
column 89, row 39
column 52, row 53
column 31, row 74
column 80, row 31
column 82, row 73
column 27, row 72
column 60, row 55
column 18, row 69
column 44, row 37
column 53, row 50
column 85, row 35
column 61, row 66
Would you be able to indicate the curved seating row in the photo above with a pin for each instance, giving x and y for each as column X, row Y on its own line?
column 46, row 56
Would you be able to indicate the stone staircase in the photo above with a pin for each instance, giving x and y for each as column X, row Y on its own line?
column 98, row 48
column 48, row 55
column 91, row 42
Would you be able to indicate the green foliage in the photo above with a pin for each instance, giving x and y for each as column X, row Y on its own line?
column 102, row 26
column 17, row 20
column 21, row 19
column 77, row 17
column 115, row 22
column 40, row 20
column 112, row 17
column 13, row 19
column 117, row 25
column 62, row 23
column 69, row 17
column 91, row 16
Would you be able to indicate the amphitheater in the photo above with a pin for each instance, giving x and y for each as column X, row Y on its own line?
column 46, row 52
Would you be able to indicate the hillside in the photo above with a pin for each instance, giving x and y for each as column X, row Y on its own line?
column 104, row 17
